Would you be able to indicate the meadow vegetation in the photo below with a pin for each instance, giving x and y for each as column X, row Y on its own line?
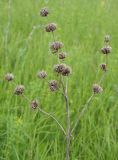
column 27, row 132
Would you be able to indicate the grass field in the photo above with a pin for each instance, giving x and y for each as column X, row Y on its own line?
column 26, row 134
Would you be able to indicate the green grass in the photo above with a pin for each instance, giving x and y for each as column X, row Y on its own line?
column 82, row 24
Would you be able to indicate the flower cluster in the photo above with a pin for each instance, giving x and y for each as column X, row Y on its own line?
column 44, row 12
column 51, row 27
column 62, row 69
column 42, row 74
column 9, row 77
column 19, row 90
column 107, row 48
column 62, row 55
column 34, row 104
column 55, row 46
column 103, row 67
column 53, row 85
column 97, row 89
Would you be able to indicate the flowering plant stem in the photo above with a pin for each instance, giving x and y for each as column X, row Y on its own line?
column 48, row 114
column 68, row 134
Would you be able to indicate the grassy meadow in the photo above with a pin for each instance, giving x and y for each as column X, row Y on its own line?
column 27, row 134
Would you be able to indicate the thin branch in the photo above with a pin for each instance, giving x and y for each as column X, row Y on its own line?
column 48, row 114
column 82, row 112
column 53, row 35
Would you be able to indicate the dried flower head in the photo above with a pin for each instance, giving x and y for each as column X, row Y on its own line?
column 66, row 71
column 62, row 69
column 50, row 27
column 44, row 12
column 59, row 68
column 103, row 67
column 19, row 90
column 62, row 55
column 42, row 74
column 34, row 104
column 55, row 46
column 53, row 85
column 97, row 89
column 106, row 50
column 9, row 77
column 106, row 38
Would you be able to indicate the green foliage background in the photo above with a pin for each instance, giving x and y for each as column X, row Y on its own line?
column 28, row 135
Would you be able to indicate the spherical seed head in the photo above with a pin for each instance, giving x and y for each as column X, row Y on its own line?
column 106, row 38
column 62, row 55
column 55, row 46
column 19, row 90
column 51, row 27
column 44, row 12
column 53, row 85
column 9, row 77
column 106, row 50
column 42, row 74
column 34, row 104
column 59, row 68
column 66, row 71
column 103, row 67
column 97, row 89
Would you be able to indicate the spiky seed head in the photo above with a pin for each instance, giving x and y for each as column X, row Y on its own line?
column 66, row 71
column 106, row 38
column 62, row 55
column 55, row 46
column 34, row 104
column 19, row 90
column 53, row 85
column 106, row 50
column 44, row 12
column 9, row 77
column 59, row 68
column 97, row 89
column 42, row 74
column 51, row 27
column 103, row 67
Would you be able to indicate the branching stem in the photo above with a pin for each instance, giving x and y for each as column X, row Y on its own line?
column 48, row 114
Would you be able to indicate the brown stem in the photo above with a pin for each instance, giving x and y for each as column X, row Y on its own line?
column 68, row 130
column 68, row 134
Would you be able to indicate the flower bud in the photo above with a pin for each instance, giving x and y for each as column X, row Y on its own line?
column 50, row 27
column 55, row 46
column 62, row 55
column 44, row 12
column 103, row 67
column 9, row 77
column 66, row 71
column 107, row 38
column 34, row 104
column 97, row 89
column 19, row 90
column 59, row 68
column 42, row 74
column 53, row 85
column 106, row 50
